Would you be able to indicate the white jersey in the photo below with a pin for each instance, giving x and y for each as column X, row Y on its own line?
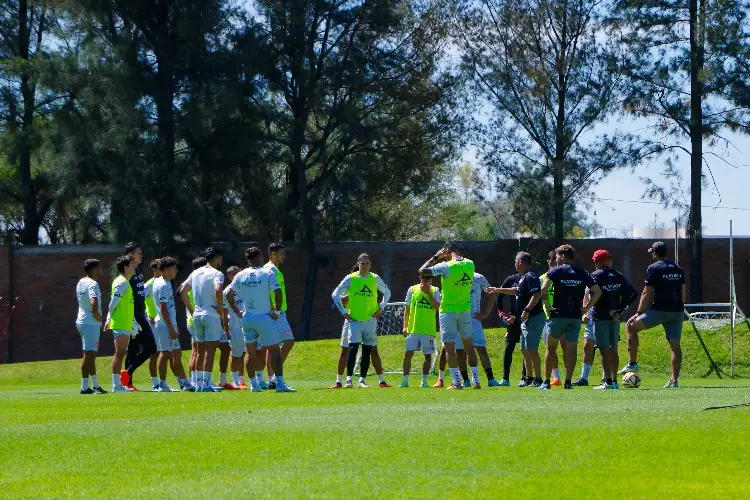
column 87, row 289
column 235, row 322
column 254, row 286
column 204, row 282
column 409, row 295
column 479, row 285
column 164, row 294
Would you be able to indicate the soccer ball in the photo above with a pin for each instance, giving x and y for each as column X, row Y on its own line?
column 631, row 380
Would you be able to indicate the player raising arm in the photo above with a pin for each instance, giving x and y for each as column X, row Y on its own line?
column 89, row 324
column 422, row 303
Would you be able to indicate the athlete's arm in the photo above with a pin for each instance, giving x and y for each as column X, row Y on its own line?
column 383, row 288
column 545, row 288
column 232, row 302
column 595, row 294
column 434, row 299
column 405, row 330
column 183, row 291
column 164, row 311
column 425, row 269
column 94, row 301
column 647, row 298
column 504, row 291
column 338, row 292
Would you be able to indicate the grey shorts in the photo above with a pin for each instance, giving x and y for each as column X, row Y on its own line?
column 671, row 321
column 283, row 328
column 89, row 336
column 568, row 328
column 161, row 336
column 531, row 331
column 364, row 332
column 455, row 326
column 208, row 328
column 260, row 327
column 477, row 334
column 607, row 333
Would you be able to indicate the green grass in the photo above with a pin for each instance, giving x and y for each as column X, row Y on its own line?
column 379, row 442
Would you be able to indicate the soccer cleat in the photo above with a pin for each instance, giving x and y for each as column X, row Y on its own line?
column 187, row 387
column 536, row 382
column 132, row 388
column 349, row 384
column 522, row 383
column 503, row 383
column 271, row 385
column 476, row 385
column 403, row 385
column 262, row 384
column 384, row 385
column 424, row 385
column 242, row 385
column 454, row 387
column 125, row 378
column 467, row 383
column 672, row 384
column 156, row 388
column 256, row 388
column 556, row 382
column 165, row 388
column 568, row 385
column 581, row 382
column 439, row 384
column 87, row 391
column 120, row 388
column 545, row 386
column 337, row 385
column 601, row 386
column 630, row 367
column 284, row 388
column 493, row 383
column 615, row 385
column 99, row 390
column 230, row 387
column 363, row 385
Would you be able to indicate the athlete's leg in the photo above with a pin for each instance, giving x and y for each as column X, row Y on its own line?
column 633, row 340
column 550, row 358
column 364, row 362
column 343, row 356
column 571, row 355
column 275, row 359
column 377, row 363
column 121, row 347
column 146, row 346
column 152, row 365
column 208, row 358
column 510, row 346
column 176, row 363
column 674, row 345
column 408, row 355
column 443, row 359
column 351, row 359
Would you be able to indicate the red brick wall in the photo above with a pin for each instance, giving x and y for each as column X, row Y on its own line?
column 45, row 279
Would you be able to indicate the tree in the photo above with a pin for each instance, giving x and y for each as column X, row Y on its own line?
column 687, row 68
column 549, row 79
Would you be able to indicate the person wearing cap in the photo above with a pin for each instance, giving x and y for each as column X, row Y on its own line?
column 617, row 295
column 457, row 275
column 566, row 310
column 662, row 303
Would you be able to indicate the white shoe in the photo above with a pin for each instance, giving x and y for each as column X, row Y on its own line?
column 156, row 388
column 362, row 385
column 120, row 388
column 165, row 388
column 601, row 386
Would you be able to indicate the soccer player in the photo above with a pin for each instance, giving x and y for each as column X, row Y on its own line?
column 662, row 303
column 422, row 303
column 254, row 286
column 89, row 324
column 589, row 347
column 276, row 257
column 479, row 287
column 237, row 340
column 165, row 326
column 512, row 333
column 121, row 318
column 551, row 262
column 143, row 345
column 208, row 314
column 528, row 295
column 148, row 289
column 362, row 311
column 617, row 295
column 344, row 355
column 197, row 263
column 566, row 310
column 457, row 275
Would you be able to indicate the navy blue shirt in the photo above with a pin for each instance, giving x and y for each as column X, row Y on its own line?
column 527, row 287
column 139, row 294
column 511, row 281
column 617, row 293
column 570, row 285
column 667, row 279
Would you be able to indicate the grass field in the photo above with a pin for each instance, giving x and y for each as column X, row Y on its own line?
column 388, row 443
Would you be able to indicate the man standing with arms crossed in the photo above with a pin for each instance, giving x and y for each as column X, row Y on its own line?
column 457, row 274
column 662, row 303
column 566, row 311
column 89, row 324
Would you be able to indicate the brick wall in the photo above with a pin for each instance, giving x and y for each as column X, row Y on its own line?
column 45, row 277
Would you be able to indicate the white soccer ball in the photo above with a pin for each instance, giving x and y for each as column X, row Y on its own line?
column 631, row 380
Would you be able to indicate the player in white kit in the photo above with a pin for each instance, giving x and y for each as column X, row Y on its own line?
column 237, row 341
column 89, row 324
column 254, row 286
column 165, row 324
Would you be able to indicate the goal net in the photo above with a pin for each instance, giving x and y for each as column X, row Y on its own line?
column 391, row 323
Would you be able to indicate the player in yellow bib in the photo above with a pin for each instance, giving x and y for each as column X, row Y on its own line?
column 422, row 303
column 457, row 275
column 121, row 317
column 276, row 257
column 362, row 311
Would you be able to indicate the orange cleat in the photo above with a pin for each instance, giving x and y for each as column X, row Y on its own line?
column 383, row 384
column 476, row 386
column 337, row 385
column 242, row 385
column 132, row 387
column 556, row 383
column 125, row 379
column 229, row 387
column 454, row 387
column 439, row 384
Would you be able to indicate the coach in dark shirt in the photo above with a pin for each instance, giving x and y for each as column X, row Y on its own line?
column 513, row 333
column 566, row 310
column 662, row 303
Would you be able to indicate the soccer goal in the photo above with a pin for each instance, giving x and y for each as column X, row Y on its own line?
column 711, row 317
column 391, row 322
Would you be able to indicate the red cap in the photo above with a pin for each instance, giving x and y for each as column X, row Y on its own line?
column 602, row 256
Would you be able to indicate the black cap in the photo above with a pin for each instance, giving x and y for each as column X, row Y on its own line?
column 451, row 246
column 212, row 252
column 659, row 248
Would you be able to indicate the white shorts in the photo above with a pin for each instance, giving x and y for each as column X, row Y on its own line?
column 417, row 341
column 455, row 326
column 477, row 334
column 237, row 342
column 208, row 328
column 283, row 328
column 588, row 332
column 89, row 336
column 260, row 328
column 191, row 329
column 120, row 333
column 364, row 332
column 161, row 336
column 345, row 334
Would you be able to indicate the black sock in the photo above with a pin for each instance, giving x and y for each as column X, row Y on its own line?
column 352, row 359
column 529, row 380
column 465, row 374
column 488, row 371
column 364, row 362
column 508, row 358
column 567, row 381
column 546, row 381
column 608, row 381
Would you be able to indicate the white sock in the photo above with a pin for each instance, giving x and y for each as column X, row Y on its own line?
column 236, row 378
column 279, row 381
column 154, row 381
column 116, row 380
column 348, row 378
column 556, row 373
column 94, row 381
column 381, row 378
column 259, row 376
column 338, row 378
column 272, row 378
column 193, row 378
column 242, row 379
column 441, row 374
column 456, row 376
column 202, row 382
column 475, row 374
column 424, row 379
column 254, row 383
column 361, row 380
column 207, row 379
column 222, row 379
column 406, row 379
column 84, row 383
column 586, row 371
column 163, row 383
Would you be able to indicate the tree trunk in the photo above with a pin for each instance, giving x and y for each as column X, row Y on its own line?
column 559, row 161
column 31, row 219
column 695, row 224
